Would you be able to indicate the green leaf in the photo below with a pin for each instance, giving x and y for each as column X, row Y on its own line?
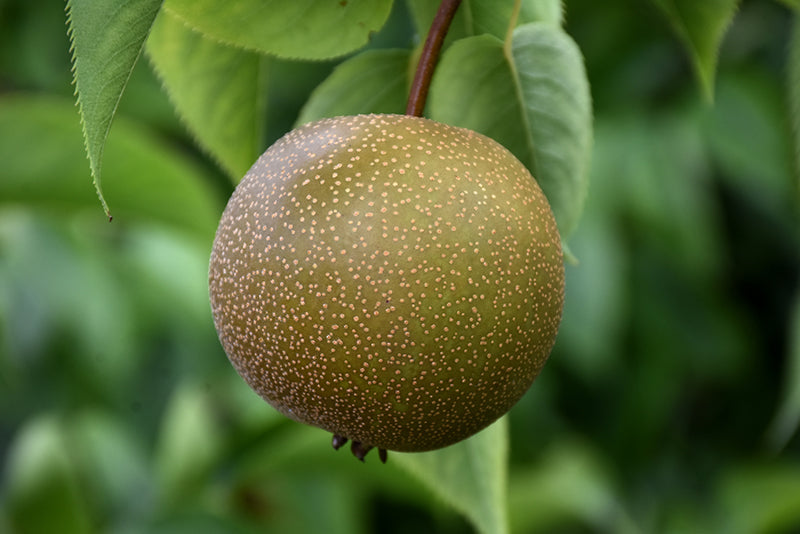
column 494, row 16
column 302, row 29
column 43, row 166
column 476, row 17
column 550, row 11
column 375, row 81
column 794, row 4
column 422, row 13
column 760, row 498
column 219, row 91
column 535, row 101
column 471, row 476
column 107, row 38
column 787, row 419
column 41, row 489
column 701, row 25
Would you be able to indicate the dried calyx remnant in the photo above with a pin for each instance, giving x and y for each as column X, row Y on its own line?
column 358, row 449
column 393, row 280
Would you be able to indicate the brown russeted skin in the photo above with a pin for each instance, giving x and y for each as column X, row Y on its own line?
column 393, row 280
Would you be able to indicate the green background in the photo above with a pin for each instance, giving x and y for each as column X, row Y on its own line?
column 670, row 402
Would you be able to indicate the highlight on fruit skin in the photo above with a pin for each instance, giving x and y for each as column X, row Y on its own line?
column 395, row 281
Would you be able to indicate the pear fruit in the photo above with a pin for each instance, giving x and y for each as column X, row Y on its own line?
column 396, row 281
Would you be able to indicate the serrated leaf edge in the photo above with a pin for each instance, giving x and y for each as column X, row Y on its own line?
column 707, row 80
column 256, row 50
column 261, row 106
column 94, row 166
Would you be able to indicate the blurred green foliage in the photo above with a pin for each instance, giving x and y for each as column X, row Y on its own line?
column 671, row 401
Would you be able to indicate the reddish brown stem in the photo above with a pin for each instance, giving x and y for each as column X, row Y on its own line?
column 430, row 53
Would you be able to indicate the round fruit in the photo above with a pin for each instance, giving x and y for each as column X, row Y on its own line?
column 393, row 280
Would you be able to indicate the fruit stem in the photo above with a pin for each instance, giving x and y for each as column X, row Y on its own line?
column 430, row 53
